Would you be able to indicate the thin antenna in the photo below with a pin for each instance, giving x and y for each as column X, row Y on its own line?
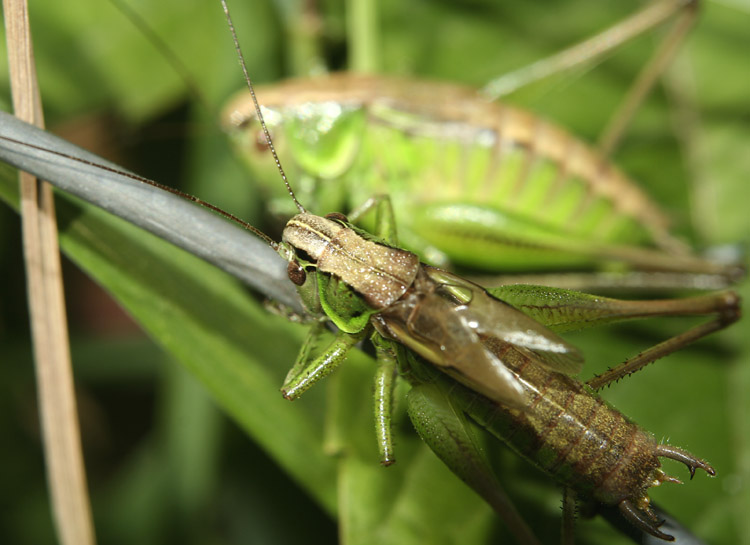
column 249, row 82
column 260, row 234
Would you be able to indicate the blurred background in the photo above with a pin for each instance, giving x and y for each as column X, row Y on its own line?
column 165, row 465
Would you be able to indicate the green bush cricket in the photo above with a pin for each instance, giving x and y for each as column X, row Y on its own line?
column 441, row 318
column 351, row 94
column 474, row 184
column 363, row 284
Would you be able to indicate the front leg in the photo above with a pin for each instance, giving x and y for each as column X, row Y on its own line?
column 313, row 364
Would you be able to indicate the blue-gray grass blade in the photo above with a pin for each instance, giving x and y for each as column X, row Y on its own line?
column 195, row 229
column 671, row 526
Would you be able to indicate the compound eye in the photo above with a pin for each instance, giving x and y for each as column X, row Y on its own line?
column 337, row 216
column 296, row 273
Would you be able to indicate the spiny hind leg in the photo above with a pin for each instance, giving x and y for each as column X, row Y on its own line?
column 571, row 310
column 618, row 282
column 727, row 312
column 568, row 310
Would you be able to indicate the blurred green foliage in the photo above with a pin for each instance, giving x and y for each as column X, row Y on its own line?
column 165, row 465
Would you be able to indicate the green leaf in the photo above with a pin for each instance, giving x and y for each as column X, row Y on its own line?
column 691, row 158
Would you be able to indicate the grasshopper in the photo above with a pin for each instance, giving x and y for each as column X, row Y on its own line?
column 474, row 184
column 452, row 299
column 515, row 368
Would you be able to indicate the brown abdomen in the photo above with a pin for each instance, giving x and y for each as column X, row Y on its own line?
column 572, row 434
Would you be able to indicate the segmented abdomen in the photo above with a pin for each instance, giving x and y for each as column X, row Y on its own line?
column 572, row 434
column 440, row 143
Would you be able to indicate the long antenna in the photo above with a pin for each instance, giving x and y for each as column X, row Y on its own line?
column 249, row 82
